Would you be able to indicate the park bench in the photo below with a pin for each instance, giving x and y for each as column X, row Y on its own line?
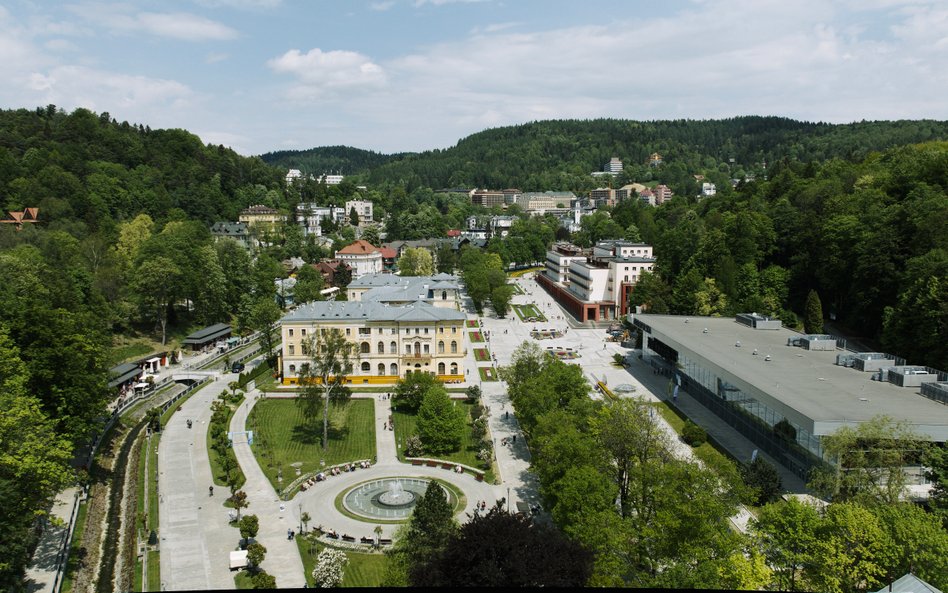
column 432, row 464
column 367, row 540
column 385, row 542
column 348, row 538
column 416, row 462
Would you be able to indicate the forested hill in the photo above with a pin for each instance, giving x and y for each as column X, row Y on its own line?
column 560, row 155
column 343, row 160
column 86, row 167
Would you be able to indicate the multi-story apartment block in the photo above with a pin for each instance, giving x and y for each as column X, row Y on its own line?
column 330, row 179
column 603, row 196
column 390, row 341
column 261, row 220
column 663, row 193
column 548, row 200
column 500, row 225
column 708, row 189
column 362, row 257
column 293, row 175
column 310, row 217
column 363, row 208
column 511, row 195
column 486, row 198
column 596, row 284
column 614, row 166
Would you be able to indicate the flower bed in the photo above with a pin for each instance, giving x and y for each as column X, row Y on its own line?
column 481, row 355
column 473, row 323
column 487, row 373
column 477, row 337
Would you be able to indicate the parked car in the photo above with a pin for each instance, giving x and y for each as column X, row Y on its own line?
column 237, row 367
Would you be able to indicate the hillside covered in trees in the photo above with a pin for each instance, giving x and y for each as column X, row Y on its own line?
column 856, row 213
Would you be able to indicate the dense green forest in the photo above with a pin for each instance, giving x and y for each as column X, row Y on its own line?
column 856, row 213
column 343, row 160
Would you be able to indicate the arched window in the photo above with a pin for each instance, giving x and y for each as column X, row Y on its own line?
column 292, row 369
column 381, row 347
column 365, row 367
column 393, row 369
column 440, row 368
column 441, row 347
column 454, row 368
column 381, row 368
column 393, row 347
column 454, row 347
column 364, row 347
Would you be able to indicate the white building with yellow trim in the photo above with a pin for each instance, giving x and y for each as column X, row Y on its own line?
column 391, row 341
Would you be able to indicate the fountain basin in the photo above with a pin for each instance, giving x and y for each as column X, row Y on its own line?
column 391, row 499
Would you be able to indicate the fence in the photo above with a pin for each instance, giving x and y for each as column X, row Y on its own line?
column 63, row 557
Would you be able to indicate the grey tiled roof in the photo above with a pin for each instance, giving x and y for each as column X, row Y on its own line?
column 371, row 311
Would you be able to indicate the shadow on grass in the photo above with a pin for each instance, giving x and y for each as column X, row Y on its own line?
column 312, row 433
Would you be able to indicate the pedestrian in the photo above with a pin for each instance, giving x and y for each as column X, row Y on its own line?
column 289, row 534
column 506, row 415
column 515, row 438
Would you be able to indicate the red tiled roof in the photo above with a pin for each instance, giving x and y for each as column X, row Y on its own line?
column 360, row 247
column 454, row 233
column 388, row 253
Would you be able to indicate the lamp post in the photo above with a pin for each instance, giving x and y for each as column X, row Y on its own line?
column 300, row 515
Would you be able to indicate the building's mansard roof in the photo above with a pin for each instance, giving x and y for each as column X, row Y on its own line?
column 370, row 311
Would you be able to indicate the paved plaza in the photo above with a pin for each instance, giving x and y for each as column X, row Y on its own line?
column 196, row 537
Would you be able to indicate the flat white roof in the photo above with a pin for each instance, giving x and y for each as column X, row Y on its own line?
column 806, row 381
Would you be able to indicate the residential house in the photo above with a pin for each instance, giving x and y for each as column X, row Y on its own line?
column 20, row 217
column 362, row 257
column 237, row 231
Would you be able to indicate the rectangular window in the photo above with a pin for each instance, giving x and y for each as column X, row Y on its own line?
column 348, row 331
column 291, row 332
column 292, row 350
column 426, row 331
column 303, row 331
column 440, row 329
column 365, row 331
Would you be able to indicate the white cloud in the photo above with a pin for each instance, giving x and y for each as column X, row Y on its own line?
column 78, row 86
column 121, row 18
column 382, row 6
column 320, row 73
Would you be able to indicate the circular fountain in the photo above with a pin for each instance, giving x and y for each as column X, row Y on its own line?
column 388, row 498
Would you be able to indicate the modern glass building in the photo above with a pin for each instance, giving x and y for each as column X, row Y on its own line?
column 779, row 388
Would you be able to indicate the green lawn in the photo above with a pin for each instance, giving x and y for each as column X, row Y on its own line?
column 406, row 425
column 482, row 355
column 706, row 451
column 477, row 336
column 283, row 436
column 487, row 373
column 154, row 571
column 525, row 311
column 516, row 288
column 76, row 555
column 133, row 350
column 363, row 570
column 473, row 323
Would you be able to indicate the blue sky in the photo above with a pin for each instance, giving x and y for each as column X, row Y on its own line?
column 407, row 75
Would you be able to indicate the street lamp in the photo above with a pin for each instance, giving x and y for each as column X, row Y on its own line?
column 300, row 514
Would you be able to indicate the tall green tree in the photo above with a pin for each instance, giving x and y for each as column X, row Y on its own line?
column 500, row 299
column 418, row 543
column 411, row 390
column 813, row 318
column 416, row 261
column 323, row 377
column 157, row 284
column 787, row 534
column 441, row 423
column 309, row 285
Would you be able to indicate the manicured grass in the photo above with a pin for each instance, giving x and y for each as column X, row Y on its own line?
column 153, row 484
column 406, row 425
column 363, row 570
column 516, row 288
column 282, row 435
column 154, row 571
column 477, row 336
column 75, row 558
column 526, row 311
column 706, row 451
column 487, row 373
column 473, row 323
column 481, row 355
column 214, row 458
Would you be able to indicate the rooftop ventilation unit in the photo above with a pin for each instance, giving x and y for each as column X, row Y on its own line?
column 757, row 321
column 910, row 376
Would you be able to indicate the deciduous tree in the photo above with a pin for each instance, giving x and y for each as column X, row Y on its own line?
column 323, row 376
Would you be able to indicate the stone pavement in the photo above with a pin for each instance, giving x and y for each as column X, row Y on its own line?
column 195, row 535
column 44, row 567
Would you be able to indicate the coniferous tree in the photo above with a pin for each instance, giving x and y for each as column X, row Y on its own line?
column 813, row 316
